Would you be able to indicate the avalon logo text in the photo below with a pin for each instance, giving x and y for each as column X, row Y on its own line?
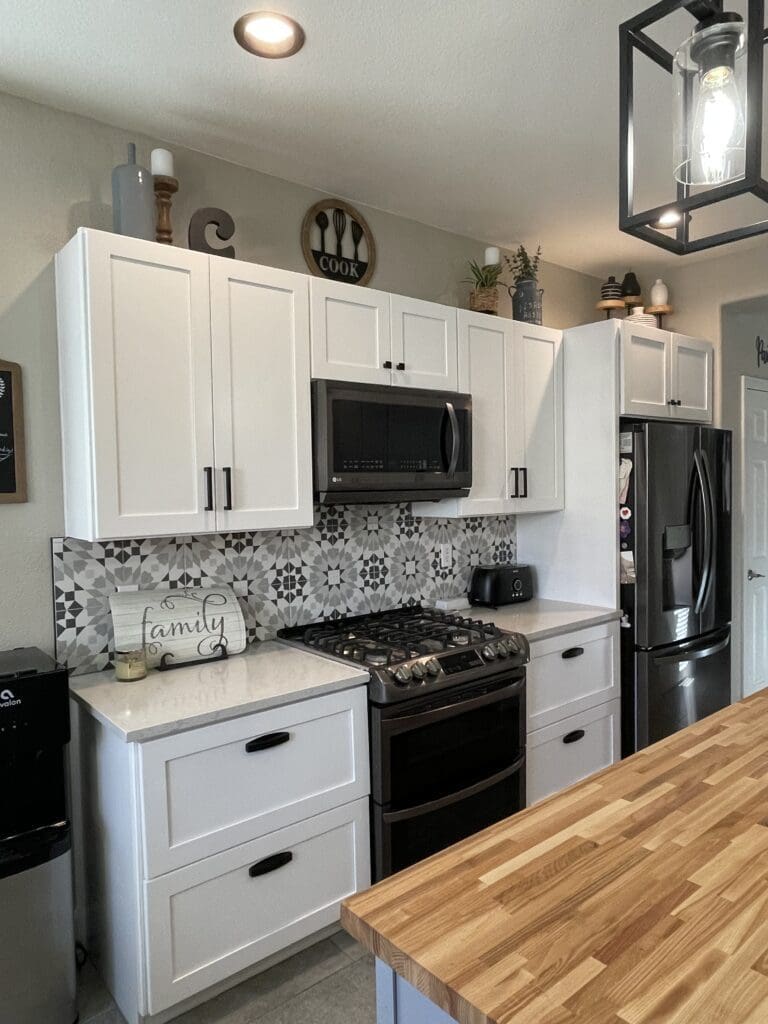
column 8, row 699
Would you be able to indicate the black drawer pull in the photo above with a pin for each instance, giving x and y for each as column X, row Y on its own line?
column 272, row 739
column 263, row 867
column 573, row 652
column 400, row 366
column 387, row 364
column 574, row 737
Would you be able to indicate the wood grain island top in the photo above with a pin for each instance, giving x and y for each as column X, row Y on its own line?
column 639, row 896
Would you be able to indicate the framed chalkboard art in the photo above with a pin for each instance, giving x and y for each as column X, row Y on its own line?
column 13, row 470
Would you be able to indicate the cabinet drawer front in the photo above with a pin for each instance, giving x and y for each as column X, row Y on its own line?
column 562, row 754
column 208, row 790
column 210, row 920
column 571, row 673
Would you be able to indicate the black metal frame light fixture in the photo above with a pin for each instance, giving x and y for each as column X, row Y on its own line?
column 706, row 61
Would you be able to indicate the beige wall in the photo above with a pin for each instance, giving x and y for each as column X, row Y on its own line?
column 55, row 173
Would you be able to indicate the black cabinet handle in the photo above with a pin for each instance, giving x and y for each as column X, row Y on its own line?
column 400, row 366
column 228, row 486
column 387, row 364
column 516, row 471
column 574, row 737
column 272, row 739
column 524, row 471
column 208, row 471
column 263, row 867
column 573, row 652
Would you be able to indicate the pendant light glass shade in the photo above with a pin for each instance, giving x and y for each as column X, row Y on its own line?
column 710, row 82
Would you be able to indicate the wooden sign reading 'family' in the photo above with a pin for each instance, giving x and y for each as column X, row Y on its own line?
column 13, row 478
column 337, row 242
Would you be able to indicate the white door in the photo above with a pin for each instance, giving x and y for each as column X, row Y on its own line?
column 262, row 412
column 423, row 344
column 692, row 373
column 351, row 337
column 535, row 419
column 646, row 371
column 485, row 347
column 755, row 659
column 149, row 326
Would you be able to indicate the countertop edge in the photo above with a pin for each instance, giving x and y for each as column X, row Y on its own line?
column 599, row 619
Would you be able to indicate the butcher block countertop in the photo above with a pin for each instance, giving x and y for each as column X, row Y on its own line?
column 639, row 896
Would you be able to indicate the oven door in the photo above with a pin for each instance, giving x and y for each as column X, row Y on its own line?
column 384, row 443
column 446, row 769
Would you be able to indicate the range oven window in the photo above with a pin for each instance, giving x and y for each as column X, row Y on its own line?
column 375, row 437
column 441, row 756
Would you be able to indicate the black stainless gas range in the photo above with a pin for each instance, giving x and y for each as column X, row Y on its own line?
column 447, row 724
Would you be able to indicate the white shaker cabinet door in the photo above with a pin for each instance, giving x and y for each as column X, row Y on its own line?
column 692, row 373
column 536, row 419
column 423, row 344
column 260, row 339
column 646, row 384
column 135, row 356
column 350, row 333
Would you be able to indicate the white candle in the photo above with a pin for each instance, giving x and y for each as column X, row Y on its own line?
column 492, row 254
column 161, row 162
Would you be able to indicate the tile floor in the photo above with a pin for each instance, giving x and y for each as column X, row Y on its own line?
column 332, row 982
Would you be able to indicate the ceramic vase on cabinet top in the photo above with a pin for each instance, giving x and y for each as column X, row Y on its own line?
column 659, row 293
column 133, row 199
column 526, row 301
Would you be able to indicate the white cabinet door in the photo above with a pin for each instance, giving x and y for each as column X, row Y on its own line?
column 535, row 419
column 145, row 356
column 351, row 337
column 260, row 338
column 692, row 374
column 646, row 385
column 423, row 344
column 564, row 753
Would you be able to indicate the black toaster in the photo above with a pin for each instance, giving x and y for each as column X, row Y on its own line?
column 494, row 585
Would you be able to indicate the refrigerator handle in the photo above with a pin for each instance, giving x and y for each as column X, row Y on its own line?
column 706, row 571
column 694, row 655
column 713, row 519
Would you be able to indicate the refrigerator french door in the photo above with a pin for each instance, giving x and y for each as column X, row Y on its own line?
column 675, row 539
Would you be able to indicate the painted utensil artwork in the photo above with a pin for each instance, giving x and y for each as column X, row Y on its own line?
column 357, row 237
column 322, row 222
column 191, row 624
column 339, row 226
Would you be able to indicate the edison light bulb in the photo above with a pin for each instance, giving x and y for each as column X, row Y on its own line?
column 717, row 135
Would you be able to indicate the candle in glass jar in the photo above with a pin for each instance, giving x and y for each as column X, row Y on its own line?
column 492, row 256
column 161, row 163
column 130, row 665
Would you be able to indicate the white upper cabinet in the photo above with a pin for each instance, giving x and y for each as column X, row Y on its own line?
column 146, row 352
column 537, row 420
column 351, row 337
column 665, row 375
column 423, row 344
column 692, row 374
column 135, row 383
column 261, row 396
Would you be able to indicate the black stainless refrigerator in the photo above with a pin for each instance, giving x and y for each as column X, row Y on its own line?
column 675, row 540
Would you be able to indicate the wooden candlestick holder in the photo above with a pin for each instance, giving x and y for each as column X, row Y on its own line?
column 165, row 188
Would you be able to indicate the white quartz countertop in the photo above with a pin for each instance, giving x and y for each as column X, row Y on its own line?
column 267, row 675
column 538, row 619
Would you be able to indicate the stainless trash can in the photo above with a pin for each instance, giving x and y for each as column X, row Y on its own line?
column 37, row 942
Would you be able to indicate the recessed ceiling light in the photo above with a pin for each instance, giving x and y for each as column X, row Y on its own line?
column 668, row 219
column 268, row 34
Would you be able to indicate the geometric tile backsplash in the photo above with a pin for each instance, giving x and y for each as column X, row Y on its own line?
column 355, row 559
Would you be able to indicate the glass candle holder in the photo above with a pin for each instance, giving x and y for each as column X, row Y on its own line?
column 130, row 665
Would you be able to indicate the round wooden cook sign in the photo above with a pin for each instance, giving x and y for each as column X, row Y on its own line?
column 338, row 243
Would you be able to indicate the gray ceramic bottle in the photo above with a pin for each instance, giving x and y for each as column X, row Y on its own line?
column 133, row 199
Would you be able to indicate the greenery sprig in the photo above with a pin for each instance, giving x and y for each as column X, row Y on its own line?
column 522, row 267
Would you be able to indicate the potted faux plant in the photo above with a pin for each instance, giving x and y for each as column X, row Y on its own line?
column 526, row 297
column 484, row 297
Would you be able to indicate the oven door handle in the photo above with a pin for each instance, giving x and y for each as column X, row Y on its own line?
column 392, row 817
column 392, row 726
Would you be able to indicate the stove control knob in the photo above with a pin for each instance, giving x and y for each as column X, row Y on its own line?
column 419, row 671
column 502, row 650
column 402, row 675
column 433, row 667
column 512, row 646
column 489, row 652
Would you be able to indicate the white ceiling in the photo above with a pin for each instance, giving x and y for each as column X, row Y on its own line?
column 496, row 119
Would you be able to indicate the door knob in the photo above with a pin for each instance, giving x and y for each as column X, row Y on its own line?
column 755, row 575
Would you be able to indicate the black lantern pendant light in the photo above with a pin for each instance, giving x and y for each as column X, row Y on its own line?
column 717, row 147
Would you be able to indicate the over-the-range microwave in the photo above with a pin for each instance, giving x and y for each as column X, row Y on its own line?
column 375, row 443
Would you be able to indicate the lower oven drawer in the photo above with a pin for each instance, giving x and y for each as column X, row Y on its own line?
column 401, row 838
column 207, row 921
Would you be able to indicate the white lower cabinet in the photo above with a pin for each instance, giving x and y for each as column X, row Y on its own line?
column 218, row 916
column 573, row 708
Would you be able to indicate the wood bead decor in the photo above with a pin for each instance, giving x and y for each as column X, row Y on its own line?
column 165, row 188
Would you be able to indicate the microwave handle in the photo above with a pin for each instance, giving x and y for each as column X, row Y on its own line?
column 456, row 439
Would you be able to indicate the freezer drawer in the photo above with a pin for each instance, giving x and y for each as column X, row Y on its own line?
column 681, row 684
